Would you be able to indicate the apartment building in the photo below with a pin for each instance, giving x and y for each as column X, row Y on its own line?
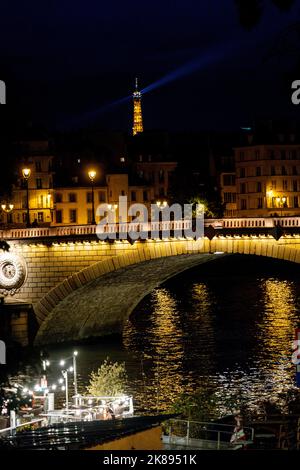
column 74, row 205
column 268, row 180
column 157, row 174
column 38, row 161
column 228, row 193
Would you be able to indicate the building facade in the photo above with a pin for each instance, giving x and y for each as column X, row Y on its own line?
column 158, row 174
column 38, row 159
column 268, row 180
column 73, row 205
column 228, row 193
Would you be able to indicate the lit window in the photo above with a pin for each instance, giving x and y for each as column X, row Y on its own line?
column 40, row 216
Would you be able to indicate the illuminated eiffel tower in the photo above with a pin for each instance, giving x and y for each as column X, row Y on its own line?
column 137, row 110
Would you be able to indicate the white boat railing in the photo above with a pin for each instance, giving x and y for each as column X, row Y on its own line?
column 202, row 434
column 124, row 401
column 89, row 408
column 12, row 429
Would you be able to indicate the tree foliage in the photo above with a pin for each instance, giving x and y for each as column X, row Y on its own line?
column 4, row 245
column 12, row 399
column 200, row 406
column 212, row 208
column 194, row 187
column 109, row 380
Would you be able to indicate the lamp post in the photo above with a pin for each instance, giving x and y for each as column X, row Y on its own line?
column 64, row 372
column 92, row 176
column 75, row 354
column 46, row 364
column 65, row 376
column 26, row 175
column 7, row 208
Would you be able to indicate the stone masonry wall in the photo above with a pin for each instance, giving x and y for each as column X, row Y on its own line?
column 69, row 265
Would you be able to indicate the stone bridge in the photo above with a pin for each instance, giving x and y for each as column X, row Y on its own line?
column 81, row 287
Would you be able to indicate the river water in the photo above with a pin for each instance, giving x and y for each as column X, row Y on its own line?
column 223, row 330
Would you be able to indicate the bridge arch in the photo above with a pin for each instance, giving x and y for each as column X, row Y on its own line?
column 98, row 299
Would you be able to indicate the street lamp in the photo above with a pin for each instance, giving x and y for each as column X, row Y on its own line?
column 64, row 372
column 26, row 172
column 92, row 175
column 46, row 364
column 65, row 376
column 44, row 382
column 7, row 208
column 75, row 354
column 161, row 204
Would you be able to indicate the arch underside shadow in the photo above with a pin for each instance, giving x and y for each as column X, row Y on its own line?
column 99, row 299
column 101, row 307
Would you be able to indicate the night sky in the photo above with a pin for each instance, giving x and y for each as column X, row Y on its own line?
column 65, row 62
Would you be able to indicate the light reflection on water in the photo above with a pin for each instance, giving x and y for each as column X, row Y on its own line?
column 224, row 330
column 228, row 336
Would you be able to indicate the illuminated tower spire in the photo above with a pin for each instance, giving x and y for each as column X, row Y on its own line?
column 137, row 110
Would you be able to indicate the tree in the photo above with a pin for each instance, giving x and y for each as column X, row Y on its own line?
column 109, row 380
column 205, row 405
column 12, row 399
column 4, row 245
column 213, row 208
column 200, row 406
column 190, row 185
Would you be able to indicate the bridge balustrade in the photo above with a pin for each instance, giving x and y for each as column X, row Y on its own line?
column 81, row 230
column 267, row 222
column 61, row 231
